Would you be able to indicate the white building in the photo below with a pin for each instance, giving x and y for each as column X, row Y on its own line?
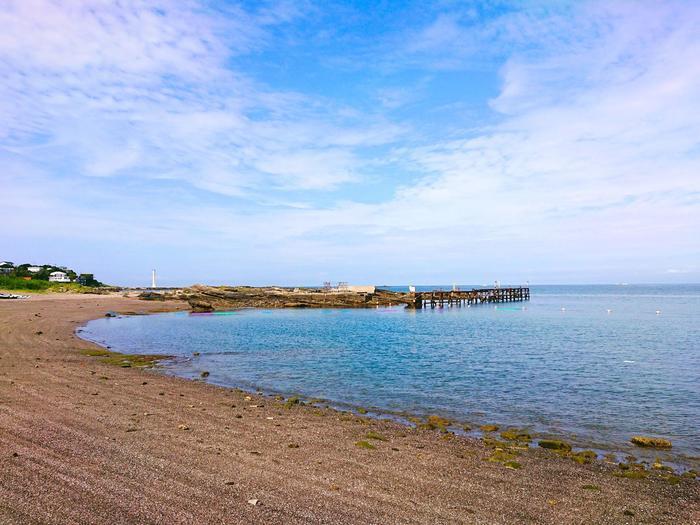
column 361, row 288
column 344, row 287
column 34, row 269
column 58, row 277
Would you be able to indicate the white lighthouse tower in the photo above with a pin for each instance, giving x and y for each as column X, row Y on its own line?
column 153, row 279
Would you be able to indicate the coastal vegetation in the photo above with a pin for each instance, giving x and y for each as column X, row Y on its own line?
column 124, row 360
column 555, row 444
column 45, row 278
column 504, row 452
column 583, row 456
column 632, row 470
column 516, row 435
column 37, row 286
column 293, row 401
column 433, row 422
column 15, row 283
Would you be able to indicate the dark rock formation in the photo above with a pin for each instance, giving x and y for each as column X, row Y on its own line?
column 208, row 298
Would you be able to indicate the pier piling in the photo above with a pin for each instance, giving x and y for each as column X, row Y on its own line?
column 439, row 298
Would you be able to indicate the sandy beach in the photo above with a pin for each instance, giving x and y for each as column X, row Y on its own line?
column 83, row 441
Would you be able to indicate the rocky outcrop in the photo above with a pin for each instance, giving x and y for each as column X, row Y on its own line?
column 209, row 298
column 651, row 442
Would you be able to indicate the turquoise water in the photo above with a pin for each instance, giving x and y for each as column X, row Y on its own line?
column 596, row 364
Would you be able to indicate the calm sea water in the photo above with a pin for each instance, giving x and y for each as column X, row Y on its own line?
column 596, row 364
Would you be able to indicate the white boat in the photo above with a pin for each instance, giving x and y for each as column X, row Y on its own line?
column 12, row 296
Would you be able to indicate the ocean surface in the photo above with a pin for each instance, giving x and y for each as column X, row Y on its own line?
column 593, row 364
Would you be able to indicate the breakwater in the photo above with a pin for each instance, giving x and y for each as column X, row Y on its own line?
column 212, row 298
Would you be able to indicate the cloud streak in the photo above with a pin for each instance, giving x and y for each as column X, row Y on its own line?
column 145, row 89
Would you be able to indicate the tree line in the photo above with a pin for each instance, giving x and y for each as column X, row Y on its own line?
column 22, row 271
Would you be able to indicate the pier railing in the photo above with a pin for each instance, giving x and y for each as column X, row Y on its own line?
column 439, row 298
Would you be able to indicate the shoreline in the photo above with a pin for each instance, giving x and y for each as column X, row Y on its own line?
column 606, row 451
column 88, row 441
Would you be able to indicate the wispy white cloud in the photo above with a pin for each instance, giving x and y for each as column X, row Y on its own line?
column 146, row 88
column 598, row 138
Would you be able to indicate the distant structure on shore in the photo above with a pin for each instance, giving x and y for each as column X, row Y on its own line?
column 344, row 287
column 59, row 277
column 153, row 279
column 362, row 288
column 46, row 272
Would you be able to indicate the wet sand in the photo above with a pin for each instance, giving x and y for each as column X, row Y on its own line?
column 82, row 441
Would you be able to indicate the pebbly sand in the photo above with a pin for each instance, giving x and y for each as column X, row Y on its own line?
column 82, row 441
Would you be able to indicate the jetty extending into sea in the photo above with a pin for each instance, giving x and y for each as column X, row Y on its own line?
column 439, row 298
column 211, row 298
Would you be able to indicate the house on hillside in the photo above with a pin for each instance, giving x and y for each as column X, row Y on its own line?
column 59, row 277
column 34, row 269
column 87, row 279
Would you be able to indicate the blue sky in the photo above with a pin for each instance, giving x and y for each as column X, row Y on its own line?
column 371, row 142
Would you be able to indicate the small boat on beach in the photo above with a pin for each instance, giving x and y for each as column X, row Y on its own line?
column 12, row 296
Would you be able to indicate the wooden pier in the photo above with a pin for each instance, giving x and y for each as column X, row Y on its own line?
column 440, row 299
